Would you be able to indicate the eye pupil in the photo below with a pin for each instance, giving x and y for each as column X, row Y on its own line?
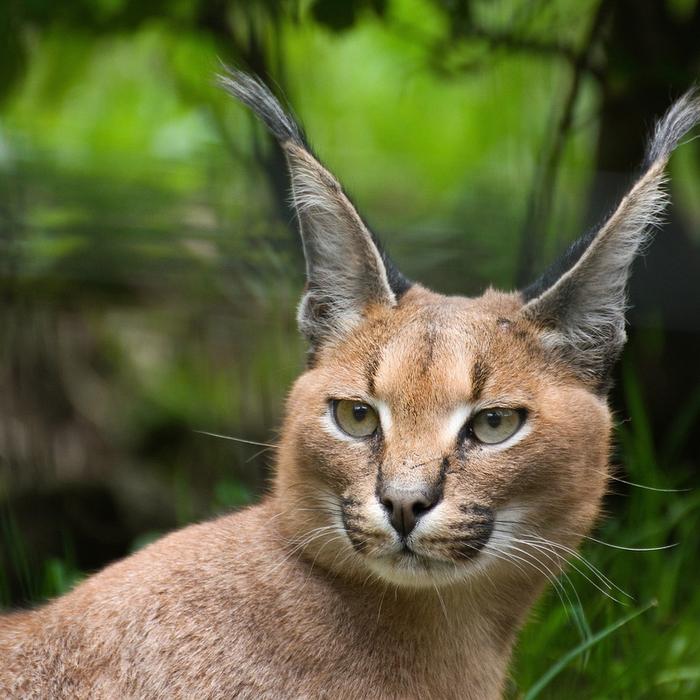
column 494, row 418
column 359, row 412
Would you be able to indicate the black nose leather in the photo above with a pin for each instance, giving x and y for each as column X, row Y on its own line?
column 406, row 506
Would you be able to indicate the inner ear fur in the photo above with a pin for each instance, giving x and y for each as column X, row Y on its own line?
column 579, row 303
column 347, row 271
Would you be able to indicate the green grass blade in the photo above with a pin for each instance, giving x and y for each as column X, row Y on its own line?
column 559, row 666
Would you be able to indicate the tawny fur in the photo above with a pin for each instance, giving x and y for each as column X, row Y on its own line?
column 311, row 593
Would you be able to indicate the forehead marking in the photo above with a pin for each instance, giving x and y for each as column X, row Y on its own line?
column 372, row 367
column 480, row 374
column 428, row 351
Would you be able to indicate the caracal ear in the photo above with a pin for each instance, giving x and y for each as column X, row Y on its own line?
column 346, row 269
column 579, row 303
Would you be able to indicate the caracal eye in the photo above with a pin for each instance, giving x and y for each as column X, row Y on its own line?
column 355, row 418
column 494, row 425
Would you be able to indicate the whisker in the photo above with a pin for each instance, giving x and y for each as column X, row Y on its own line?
column 323, row 546
column 442, row 602
column 256, row 454
column 542, row 543
column 631, row 549
column 509, row 543
column 577, row 555
column 381, row 600
column 642, row 486
column 573, row 612
column 498, row 554
column 606, row 582
column 306, row 540
column 509, row 556
column 559, row 586
column 351, row 553
column 576, row 611
column 591, row 567
column 574, row 553
column 599, row 541
column 236, row 439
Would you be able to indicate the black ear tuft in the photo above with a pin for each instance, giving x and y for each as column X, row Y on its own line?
column 683, row 115
column 253, row 93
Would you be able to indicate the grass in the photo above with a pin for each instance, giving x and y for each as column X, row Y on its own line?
column 650, row 646
column 588, row 643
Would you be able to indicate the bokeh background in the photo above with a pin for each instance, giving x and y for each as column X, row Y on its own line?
column 149, row 268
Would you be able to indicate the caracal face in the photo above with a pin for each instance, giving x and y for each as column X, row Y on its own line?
column 426, row 369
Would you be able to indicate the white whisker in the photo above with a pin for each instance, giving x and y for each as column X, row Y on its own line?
column 236, row 439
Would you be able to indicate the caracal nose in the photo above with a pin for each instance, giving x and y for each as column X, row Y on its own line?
column 405, row 506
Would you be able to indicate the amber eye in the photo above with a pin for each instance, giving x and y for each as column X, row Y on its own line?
column 494, row 425
column 355, row 418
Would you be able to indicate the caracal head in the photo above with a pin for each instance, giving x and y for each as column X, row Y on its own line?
column 435, row 440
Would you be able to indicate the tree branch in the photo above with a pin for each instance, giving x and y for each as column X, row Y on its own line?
column 540, row 204
column 499, row 39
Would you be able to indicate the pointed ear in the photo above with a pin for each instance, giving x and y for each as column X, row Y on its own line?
column 580, row 302
column 346, row 269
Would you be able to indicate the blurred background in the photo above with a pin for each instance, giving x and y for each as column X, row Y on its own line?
column 149, row 267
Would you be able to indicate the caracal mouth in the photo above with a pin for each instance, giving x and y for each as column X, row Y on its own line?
column 412, row 569
column 413, row 562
